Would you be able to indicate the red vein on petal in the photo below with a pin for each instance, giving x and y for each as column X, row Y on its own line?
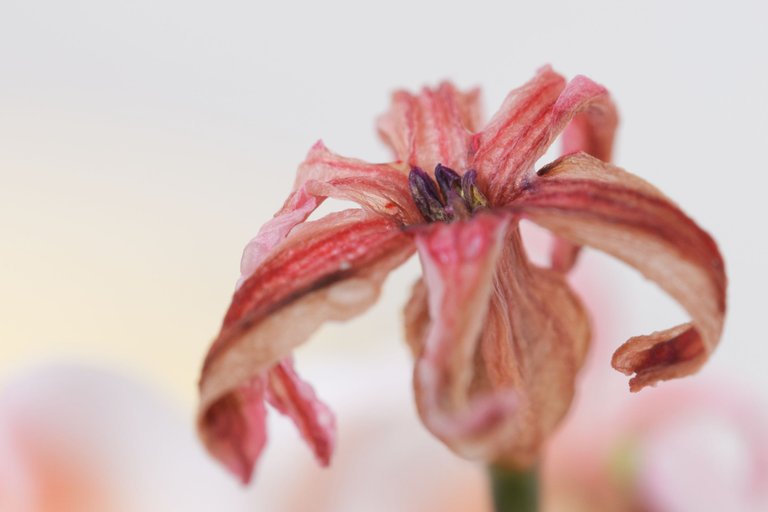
column 296, row 399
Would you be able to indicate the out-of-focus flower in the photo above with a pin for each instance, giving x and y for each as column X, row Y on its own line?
column 699, row 445
column 79, row 439
column 497, row 340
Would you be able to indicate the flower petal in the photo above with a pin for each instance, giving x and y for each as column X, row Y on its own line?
column 459, row 260
column 234, row 428
column 299, row 205
column 498, row 341
column 593, row 203
column 592, row 130
column 330, row 269
column 503, row 149
column 589, row 118
column 379, row 188
column 432, row 127
column 295, row 398
column 529, row 122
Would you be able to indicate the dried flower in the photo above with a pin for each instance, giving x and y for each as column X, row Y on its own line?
column 497, row 340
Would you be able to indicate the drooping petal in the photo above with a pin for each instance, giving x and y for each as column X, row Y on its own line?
column 591, row 130
column 593, row 203
column 234, row 428
column 535, row 340
column 293, row 397
column 459, row 260
column 330, row 269
column 379, row 188
column 432, row 127
column 297, row 208
column 498, row 341
column 563, row 255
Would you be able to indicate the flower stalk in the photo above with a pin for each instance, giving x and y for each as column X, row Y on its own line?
column 514, row 491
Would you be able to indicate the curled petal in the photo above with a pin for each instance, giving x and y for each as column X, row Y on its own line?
column 498, row 341
column 378, row 188
column 433, row 127
column 234, row 428
column 589, row 202
column 458, row 261
column 589, row 117
column 297, row 208
column 330, row 269
column 592, row 129
column 293, row 397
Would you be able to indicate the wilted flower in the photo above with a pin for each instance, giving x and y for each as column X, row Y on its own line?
column 497, row 340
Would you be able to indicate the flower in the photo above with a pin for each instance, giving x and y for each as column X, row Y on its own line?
column 82, row 438
column 497, row 340
column 701, row 445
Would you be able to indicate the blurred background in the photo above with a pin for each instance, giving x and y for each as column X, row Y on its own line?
column 143, row 143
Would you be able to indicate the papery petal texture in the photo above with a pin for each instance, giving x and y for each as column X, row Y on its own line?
column 530, row 120
column 293, row 397
column 459, row 261
column 431, row 127
column 234, row 427
column 379, row 188
column 330, row 269
column 593, row 203
column 497, row 350
column 535, row 339
column 505, row 144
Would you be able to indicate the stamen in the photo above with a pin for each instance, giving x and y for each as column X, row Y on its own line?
column 448, row 180
column 457, row 206
column 472, row 195
column 453, row 197
column 426, row 196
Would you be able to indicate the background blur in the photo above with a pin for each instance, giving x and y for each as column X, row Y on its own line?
column 143, row 143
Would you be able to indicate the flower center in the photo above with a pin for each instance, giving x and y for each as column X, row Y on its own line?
column 453, row 197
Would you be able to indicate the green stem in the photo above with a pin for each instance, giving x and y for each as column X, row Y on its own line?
column 514, row 491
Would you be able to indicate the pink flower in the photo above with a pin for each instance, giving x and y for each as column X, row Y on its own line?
column 701, row 445
column 497, row 340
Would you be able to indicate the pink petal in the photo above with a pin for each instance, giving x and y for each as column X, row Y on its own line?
column 234, row 428
column 589, row 117
column 459, row 260
column 592, row 130
column 529, row 122
column 379, row 188
column 564, row 255
column 503, row 150
column 295, row 398
column 593, row 203
column 330, row 269
column 297, row 208
column 432, row 127
column 498, row 341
